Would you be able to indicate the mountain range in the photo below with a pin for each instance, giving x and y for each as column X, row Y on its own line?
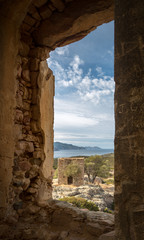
column 64, row 146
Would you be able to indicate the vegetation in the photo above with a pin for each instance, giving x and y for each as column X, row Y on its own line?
column 107, row 210
column 81, row 203
column 96, row 166
column 55, row 176
column 72, row 170
column 110, row 158
column 109, row 181
column 55, row 163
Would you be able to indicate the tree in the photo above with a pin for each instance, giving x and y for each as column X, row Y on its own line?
column 96, row 166
column 72, row 170
column 55, row 163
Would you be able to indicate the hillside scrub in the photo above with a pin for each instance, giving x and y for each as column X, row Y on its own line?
column 81, row 203
column 96, row 166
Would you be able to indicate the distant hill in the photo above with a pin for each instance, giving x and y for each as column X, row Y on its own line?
column 64, row 146
column 93, row 148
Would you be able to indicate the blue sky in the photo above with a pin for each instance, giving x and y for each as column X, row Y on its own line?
column 84, row 89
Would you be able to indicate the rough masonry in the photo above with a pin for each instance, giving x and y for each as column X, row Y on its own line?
column 73, row 165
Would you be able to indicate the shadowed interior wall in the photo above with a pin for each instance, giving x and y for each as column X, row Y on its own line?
column 9, row 36
column 129, row 119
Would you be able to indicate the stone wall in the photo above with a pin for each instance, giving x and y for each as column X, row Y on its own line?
column 63, row 163
column 58, row 221
column 129, row 106
column 33, row 157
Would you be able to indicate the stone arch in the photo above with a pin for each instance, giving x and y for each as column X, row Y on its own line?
column 38, row 28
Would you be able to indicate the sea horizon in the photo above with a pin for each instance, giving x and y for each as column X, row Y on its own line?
column 81, row 152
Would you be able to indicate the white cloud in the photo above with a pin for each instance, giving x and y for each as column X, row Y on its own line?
column 99, row 71
column 86, row 86
column 79, row 122
column 62, row 50
column 110, row 52
column 104, row 83
column 71, row 120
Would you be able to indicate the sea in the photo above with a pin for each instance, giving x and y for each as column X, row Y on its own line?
column 80, row 152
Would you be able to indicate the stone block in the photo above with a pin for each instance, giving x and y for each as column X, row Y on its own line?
column 95, row 229
column 25, row 146
column 39, row 3
column 38, row 154
column 35, row 127
column 32, row 209
column 29, row 147
column 25, row 95
column 29, row 137
column 44, row 194
column 18, row 132
column 26, row 183
column 19, row 99
column 34, row 171
column 24, row 165
column 18, row 71
column 29, row 20
column 19, row 116
column 25, row 27
column 33, row 11
column 26, row 75
column 34, row 64
column 26, row 105
column 45, row 12
column 40, row 53
column 51, row 7
column 23, row 49
column 108, row 236
column 58, row 4
column 32, row 190
column 33, row 77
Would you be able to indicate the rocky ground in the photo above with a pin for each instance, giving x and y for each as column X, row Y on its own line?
column 102, row 194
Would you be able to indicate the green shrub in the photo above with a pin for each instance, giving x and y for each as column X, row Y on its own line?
column 55, row 163
column 109, row 181
column 55, row 174
column 72, row 170
column 81, row 203
column 107, row 210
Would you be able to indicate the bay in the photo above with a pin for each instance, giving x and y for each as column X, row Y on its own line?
column 80, row 152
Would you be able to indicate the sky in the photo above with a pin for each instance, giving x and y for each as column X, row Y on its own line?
column 84, row 90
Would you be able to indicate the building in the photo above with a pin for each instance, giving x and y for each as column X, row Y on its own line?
column 74, row 176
